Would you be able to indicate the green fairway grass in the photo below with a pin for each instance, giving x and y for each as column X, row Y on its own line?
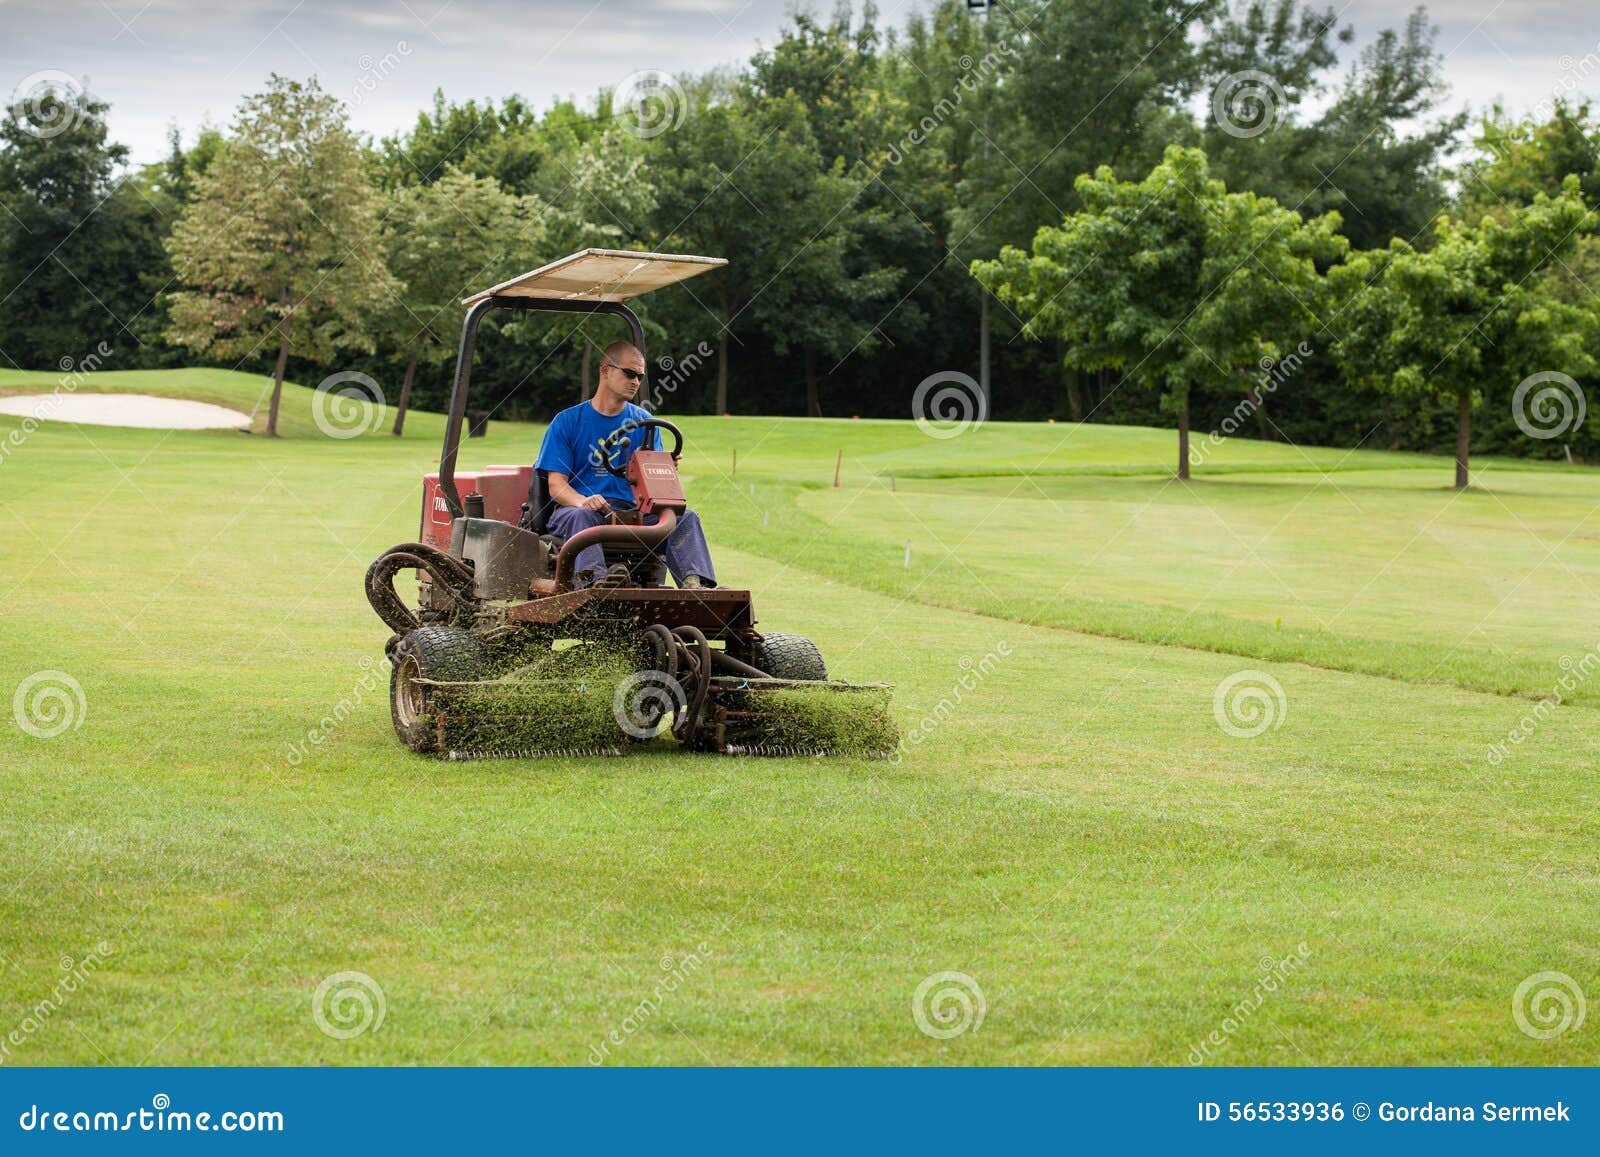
column 1072, row 829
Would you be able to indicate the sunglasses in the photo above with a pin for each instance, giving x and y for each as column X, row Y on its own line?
column 631, row 375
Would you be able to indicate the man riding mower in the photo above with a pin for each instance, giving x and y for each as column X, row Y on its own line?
column 543, row 625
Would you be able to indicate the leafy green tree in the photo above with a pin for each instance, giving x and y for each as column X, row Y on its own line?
column 1519, row 158
column 61, row 229
column 1082, row 85
column 1172, row 279
column 1470, row 317
column 745, row 183
column 281, row 240
column 444, row 241
column 1375, row 153
column 838, row 282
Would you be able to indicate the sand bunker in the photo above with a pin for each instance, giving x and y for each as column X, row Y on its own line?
column 141, row 410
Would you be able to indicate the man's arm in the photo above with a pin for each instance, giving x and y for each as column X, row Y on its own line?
column 562, row 493
column 557, row 457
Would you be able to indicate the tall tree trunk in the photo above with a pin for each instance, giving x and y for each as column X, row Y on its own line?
column 1183, row 433
column 813, row 402
column 277, row 379
column 1463, row 435
column 583, row 386
column 405, row 394
column 1074, row 398
column 722, row 373
column 1263, row 427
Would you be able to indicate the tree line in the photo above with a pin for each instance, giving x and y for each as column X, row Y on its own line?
column 1156, row 207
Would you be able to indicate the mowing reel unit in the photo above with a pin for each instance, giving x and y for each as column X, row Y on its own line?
column 507, row 655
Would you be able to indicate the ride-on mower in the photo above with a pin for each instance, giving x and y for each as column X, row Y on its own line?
column 507, row 655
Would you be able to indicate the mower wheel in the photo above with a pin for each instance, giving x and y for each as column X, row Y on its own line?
column 440, row 653
column 790, row 657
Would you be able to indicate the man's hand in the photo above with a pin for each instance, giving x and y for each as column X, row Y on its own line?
column 562, row 492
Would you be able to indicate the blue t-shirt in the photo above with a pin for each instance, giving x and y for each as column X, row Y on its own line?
column 572, row 447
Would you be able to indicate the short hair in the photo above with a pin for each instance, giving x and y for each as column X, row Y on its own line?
column 614, row 352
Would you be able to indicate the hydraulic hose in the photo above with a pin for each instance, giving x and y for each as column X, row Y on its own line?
column 451, row 575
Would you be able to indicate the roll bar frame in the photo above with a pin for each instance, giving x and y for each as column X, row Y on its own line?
column 463, row 381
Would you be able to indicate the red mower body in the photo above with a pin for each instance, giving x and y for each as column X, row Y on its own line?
column 504, row 490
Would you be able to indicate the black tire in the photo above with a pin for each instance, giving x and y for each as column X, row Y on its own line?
column 790, row 657
column 443, row 653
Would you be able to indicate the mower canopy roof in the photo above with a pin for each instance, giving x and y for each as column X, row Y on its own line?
column 602, row 275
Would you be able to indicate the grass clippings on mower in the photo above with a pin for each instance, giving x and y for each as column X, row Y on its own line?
column 564, row 705
column 825, row 721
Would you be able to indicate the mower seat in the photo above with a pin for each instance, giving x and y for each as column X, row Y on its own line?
column 536, row 511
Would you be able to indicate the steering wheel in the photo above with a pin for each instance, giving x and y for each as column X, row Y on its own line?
column 618, row 439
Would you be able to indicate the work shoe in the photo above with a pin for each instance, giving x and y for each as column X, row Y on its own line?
column 693, row 582
column 617, row 576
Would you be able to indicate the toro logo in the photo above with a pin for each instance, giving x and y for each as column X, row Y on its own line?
column 441, row 511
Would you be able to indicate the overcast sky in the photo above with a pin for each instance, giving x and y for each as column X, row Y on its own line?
column 162, row 60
